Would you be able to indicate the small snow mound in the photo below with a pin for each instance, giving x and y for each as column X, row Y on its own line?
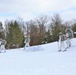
column 34, row 48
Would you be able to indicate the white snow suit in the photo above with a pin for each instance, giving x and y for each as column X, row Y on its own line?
column 27, row 41
column 2, row 46
column 61, row 43
column 68, row 42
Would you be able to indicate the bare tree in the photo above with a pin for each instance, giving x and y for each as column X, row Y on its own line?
column 37, row 29
column 42, row 23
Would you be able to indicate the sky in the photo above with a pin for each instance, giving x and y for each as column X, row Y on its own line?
column 30, row 9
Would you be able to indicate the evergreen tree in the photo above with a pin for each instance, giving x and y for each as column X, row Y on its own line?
column 14, row 35
column 56, row 23
column 2, row 35
column 74, row 27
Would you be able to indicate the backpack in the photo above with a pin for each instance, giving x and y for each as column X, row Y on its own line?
column 27, row 39
column 62, row 37
column 69, row 34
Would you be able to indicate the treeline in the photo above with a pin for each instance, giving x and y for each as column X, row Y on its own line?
column 42, row 30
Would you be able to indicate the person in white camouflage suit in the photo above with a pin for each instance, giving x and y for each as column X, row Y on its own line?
column 2, row 45
column 69, row 35
column 27, row 42
column 61, row 43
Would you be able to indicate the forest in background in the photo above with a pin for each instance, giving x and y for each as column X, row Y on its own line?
column 43, row 29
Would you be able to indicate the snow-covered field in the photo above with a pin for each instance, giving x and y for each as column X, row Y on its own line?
column 39, row 60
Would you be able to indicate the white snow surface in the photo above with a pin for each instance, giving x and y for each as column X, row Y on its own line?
column 39, row 60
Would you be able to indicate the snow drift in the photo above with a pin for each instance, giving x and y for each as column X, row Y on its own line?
column 39, row 60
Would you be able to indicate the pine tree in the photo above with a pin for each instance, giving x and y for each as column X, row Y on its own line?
column 2, row 35
column 14, row 35
column 56, row 24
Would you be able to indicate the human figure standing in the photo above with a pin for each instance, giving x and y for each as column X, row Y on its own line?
column 68, row 38
column 61, row 43
column 27, row 42
column 2, row 45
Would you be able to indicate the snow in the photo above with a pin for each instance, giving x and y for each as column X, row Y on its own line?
column 39, row 60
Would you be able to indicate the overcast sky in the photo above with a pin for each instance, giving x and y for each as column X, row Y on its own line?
column 29, row 9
